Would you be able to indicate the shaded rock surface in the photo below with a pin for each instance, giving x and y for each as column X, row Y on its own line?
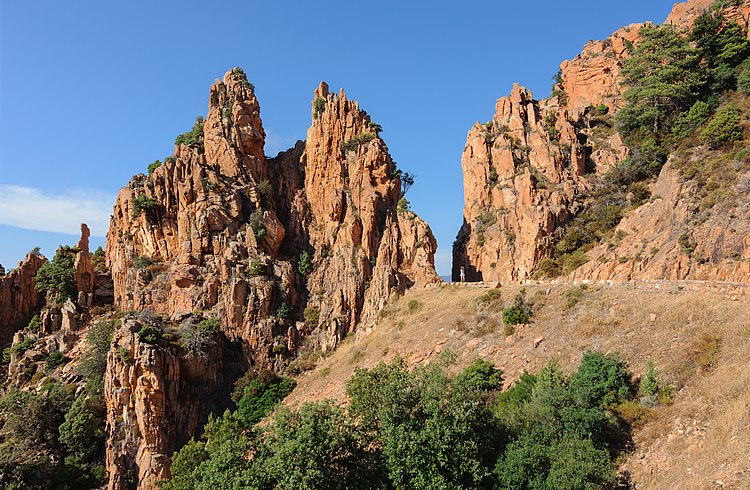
column 19, row 299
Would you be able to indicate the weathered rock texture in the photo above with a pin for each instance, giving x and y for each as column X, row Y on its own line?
column 19, row 298
column 527, row 173
column 158, row 396
column 222, row 230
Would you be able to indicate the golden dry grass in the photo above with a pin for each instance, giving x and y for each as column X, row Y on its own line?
column 700, row 441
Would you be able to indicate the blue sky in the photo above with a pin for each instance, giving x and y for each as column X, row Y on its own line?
column 91, row 92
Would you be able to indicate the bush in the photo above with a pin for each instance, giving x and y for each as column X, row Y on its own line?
column 149, row 334
column 34, row 324
column 413, row 306
column 687, row 122
column 650, row 380
column 256, row 268
column 142, row 202
column 142, row 262
column 355, row 142
column 257, row 223
column 519, row 312
column 403, row 204
column 304, row 266
column 743, row 79
column 197, row 338
column 58, row 278
column 154, row 166
column 547, row 268
column 311, row 316
column 18, row 349
column 319, row 107
column 284, row 312
column 725, row 127
column 601, row 380
column 574, row 295
column 55, row 359
column 240, row 74
column 194, row 137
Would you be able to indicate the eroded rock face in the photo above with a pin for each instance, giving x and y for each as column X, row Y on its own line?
column 673, row 237
column 524, row 174
column 19, row 298
column 157, row 397
column 223, row 231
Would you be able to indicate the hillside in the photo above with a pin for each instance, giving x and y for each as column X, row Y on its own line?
column 699, row 440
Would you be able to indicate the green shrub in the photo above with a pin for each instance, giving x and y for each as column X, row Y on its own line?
column 311, row 316
column 601, row 109
column 194, row 137
column 34, row 324
column 488, row 298
column 355, row 142
column 142, row 202
column 55, row 359
column 601, row 379
column 210, row 325
column 413, row 305
column 725, row 127
column 284, row 312
column 319, row 107
column 687, row 122
column 547, row 268
column 154, row 166
column 256, row 268
column 574, row 295
column 403, row 204
column 519, row 312
column 58, row 277
column 743, row 79
column 304, row 265
column 650, row 380
column 149, row 334
column 142, row 262
column 257, row 224
column 94, row 359
column 240, row 74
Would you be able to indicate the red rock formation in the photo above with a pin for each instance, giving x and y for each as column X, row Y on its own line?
column 157, row 398
column 526, row 172
column 222, row 230
column 84, row 269
column 19, row 298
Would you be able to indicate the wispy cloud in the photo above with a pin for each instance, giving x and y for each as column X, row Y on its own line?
column 33, row 209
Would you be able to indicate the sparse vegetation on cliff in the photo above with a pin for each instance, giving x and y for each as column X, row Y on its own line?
column 194, row 137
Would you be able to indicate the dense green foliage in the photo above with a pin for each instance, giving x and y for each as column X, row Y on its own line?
column 154, row 166
column 58, row 277
column 725, row 127
column 420, row 429
column 50, row 440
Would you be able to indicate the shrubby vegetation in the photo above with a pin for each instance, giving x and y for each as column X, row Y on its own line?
column 677, row 88
column 421, row 429
column 58, row 277
column 194, row 137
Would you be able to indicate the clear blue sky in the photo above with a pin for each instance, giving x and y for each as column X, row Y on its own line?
column 93, row 91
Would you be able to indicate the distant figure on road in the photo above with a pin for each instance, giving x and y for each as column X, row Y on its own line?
column 463, row 274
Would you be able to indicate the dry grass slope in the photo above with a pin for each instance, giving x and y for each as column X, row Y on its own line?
column 699, row 342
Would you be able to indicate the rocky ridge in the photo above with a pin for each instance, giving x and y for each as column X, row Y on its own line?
column 530, row 170
column 221, row 231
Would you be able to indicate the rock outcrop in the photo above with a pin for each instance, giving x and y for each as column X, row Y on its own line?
column 524, row 174
column 19, row 299
column 529, row 171
column 158, row 397
column 253, row 241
